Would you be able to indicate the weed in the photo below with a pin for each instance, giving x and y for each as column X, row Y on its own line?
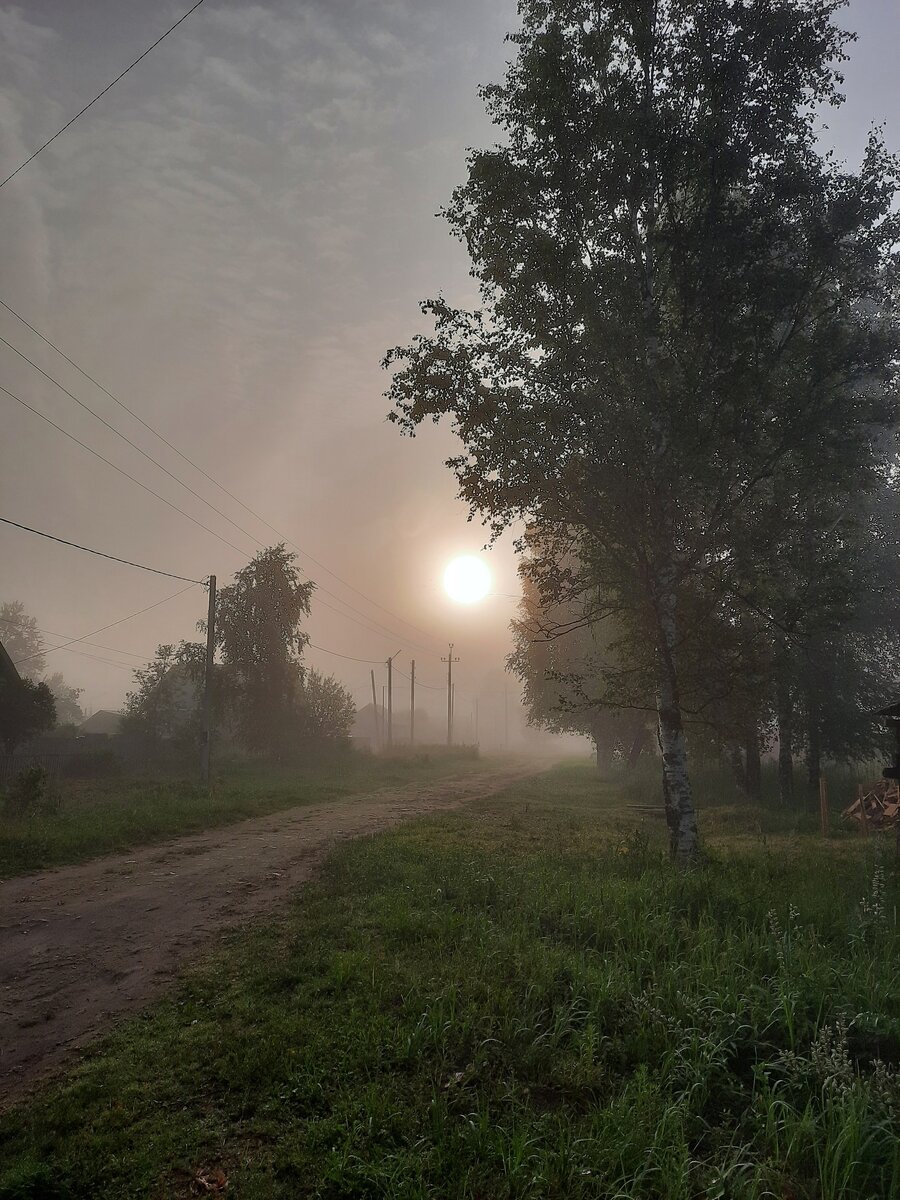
column 474, row 1007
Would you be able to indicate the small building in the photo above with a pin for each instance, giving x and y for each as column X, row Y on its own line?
column 8, row 672
column 103, row 723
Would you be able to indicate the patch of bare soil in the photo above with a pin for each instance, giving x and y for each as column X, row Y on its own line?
column 83, row 944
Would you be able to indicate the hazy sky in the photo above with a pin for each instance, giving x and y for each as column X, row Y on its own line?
column 229, row 241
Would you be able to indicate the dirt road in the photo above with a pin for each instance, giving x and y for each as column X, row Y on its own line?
column 80, row 945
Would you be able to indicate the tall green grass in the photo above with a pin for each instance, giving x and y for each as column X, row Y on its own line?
column 523, row 1000
column 87, row 818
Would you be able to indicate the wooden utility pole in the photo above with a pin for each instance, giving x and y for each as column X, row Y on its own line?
column 390, row 700
column 208, row 684
column 505, row 716
column 450, row 660
column 375, row 720
column 412, row 703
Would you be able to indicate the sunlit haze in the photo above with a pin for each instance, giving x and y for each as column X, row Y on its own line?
column 467, row 579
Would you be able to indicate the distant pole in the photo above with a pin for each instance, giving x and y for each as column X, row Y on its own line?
column 453, row 707
column 450, row 660
column 390, row 708
column 208, row 683
column 412, row 703
column 476, row 720
column 505, row 716
column 390, row 700
column 375, row 713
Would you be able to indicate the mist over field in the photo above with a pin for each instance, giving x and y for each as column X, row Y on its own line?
column 449, row 572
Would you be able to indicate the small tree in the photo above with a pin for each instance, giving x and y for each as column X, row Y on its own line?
column 570, row 681
column 165, row 703
column 258, row 633
column 327, row 709
column 68, row 710
column 26, row 709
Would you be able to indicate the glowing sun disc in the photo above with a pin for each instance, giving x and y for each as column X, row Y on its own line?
column 467, row 579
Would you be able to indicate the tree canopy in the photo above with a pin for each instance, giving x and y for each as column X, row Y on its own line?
column 686, row 337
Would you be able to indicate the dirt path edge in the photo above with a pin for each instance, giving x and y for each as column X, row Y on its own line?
column 82, row 945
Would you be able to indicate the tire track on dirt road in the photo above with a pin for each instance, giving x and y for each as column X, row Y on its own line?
column 81, row 945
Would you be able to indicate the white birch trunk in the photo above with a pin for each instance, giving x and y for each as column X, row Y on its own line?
column 676, row 781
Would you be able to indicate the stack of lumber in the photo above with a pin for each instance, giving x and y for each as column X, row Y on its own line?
column 877, row 806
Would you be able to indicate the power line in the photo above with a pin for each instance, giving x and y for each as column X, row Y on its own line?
column 432, row 687
column 181, row 482
column 111, row 625
column 66, row 636
column 370, row 662
column 82, row 111
column 100, row 553
column 127, row 440
column 37, row 412
column 96, row 657
column 150, row 429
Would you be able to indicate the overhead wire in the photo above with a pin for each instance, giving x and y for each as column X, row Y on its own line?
column 67, row 637
column 111, row 625
column 37, row 412
column 155, row 571
column 370, row 662
column 191, row 463
column 100, row 94
column 432, row 687
column 127, row 440
column 99, row 553
column 182, row 483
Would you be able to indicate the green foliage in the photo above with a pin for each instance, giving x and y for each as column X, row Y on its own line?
column 31, row 792
column 104, row 815
column 68, row 710
column 19, row 634
column 685, row 351
column 93, row 764
column 520, row 1001
column 327, row 709
column 26, row 709
column 572, row 671
column 165, row 705
column 259, row 636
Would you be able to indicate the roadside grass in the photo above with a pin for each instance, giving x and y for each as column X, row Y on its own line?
column 87, row 818
column 520, row 999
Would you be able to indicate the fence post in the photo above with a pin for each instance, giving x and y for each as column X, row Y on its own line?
column 823, row 804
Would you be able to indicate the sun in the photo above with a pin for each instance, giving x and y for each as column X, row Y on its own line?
column 467, row 579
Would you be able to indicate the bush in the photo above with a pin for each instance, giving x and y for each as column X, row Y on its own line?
column 30, row 792
column 93, row 764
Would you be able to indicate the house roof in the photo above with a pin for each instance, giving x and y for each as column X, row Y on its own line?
column 7, row 666
column 103, row 721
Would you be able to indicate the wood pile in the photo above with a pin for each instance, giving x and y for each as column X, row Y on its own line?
column 877, row 806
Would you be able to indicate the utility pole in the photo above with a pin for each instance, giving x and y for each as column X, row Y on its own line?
column 208, row 683
column 450, row 660
column 505, row 716
column 412, row 703
column 375, row 720
column 390, row 700
column 476, row 720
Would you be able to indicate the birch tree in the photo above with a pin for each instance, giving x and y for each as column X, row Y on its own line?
column 681, row 300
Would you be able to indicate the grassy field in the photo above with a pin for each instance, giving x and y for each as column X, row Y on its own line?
column 84, row 819
column 516, row 1000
